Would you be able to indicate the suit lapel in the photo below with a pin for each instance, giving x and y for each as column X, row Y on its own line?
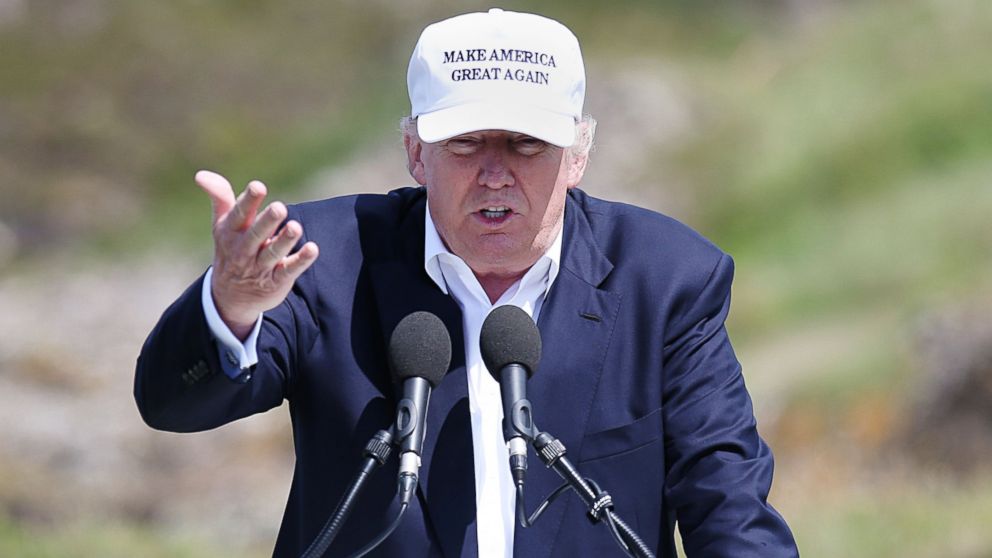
column 401, row 286
column 576, row 325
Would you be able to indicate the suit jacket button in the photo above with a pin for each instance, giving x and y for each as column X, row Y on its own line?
column 196, row 373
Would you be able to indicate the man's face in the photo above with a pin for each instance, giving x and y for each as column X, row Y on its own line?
column 497, row 198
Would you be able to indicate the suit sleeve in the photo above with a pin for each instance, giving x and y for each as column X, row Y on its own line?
column 719, row 471
column 180, row 384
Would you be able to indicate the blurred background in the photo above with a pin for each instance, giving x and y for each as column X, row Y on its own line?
column 841, row 151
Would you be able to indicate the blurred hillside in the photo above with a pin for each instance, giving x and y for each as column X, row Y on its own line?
column 840, row 151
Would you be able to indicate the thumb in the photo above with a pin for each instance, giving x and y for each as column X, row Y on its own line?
column 219, row 189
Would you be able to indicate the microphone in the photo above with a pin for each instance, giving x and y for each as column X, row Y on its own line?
column 511, row 349
column 419, row 355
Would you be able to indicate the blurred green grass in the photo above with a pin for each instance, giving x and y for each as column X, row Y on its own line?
column 86, row 539
column 850, row 167
column 900, row 519
column 914, row 519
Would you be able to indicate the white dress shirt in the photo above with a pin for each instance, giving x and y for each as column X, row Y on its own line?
column 495, row 495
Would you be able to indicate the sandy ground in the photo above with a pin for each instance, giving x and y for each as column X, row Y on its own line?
column 73, row 446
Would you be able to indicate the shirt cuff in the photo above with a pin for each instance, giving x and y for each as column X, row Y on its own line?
column 235, row 357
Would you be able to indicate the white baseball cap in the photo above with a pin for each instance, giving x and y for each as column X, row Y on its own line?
column 497, row 70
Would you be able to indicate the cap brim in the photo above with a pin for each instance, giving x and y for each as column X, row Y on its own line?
column 552, row 127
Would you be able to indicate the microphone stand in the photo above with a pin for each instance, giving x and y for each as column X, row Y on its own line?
column 376, row 453
column 552, row 453
column 511, row 344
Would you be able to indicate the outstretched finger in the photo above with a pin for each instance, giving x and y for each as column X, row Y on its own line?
column 295, row 264
column 246, row 206
column 267, row 222
column 219, row 189
column 279, row 247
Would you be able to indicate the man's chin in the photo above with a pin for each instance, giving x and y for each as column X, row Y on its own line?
column 494, row 260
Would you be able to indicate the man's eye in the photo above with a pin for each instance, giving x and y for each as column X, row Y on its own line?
column 529, row 146
column 462, row 145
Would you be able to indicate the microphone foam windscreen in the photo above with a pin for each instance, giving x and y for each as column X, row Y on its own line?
column 510, row 336
column 420, row 346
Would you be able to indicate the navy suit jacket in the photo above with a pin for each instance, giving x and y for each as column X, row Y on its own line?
column 638, row 379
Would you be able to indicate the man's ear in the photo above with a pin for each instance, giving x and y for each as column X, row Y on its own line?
column 576, row 159
column 576, row 167
column 414, row 163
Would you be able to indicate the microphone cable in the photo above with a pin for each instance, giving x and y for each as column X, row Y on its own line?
column 376, row 453
column 384, row 535
column 522, row 512
column 552, row 453
column 617, row 525
column 622, row 533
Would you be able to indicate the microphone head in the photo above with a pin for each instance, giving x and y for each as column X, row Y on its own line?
column 420, row 347
column 510, row 336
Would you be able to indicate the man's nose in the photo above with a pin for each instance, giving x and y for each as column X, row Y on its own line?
column 495, row 173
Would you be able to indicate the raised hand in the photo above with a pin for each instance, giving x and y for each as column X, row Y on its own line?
column 253, row 269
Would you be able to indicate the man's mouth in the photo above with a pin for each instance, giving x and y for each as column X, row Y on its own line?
column 495, row 212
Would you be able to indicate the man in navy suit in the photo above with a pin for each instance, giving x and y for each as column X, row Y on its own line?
column 638, row 378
